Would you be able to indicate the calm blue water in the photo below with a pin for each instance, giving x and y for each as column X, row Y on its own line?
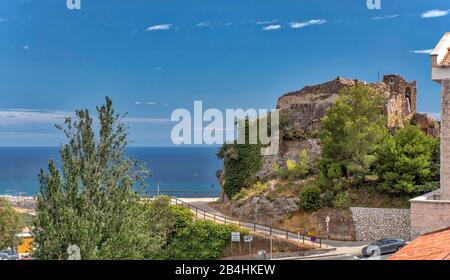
column 177, row 168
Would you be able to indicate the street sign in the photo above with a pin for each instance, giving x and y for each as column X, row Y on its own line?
column 313, row 239
column 236, row 237
column 327, row 220
column 312, row 233
column 248, row 238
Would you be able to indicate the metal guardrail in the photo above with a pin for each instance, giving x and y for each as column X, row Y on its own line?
column 200, row 213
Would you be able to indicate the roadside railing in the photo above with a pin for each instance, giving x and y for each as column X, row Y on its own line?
column 252, row 227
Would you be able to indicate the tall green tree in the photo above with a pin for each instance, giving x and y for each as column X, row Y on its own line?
column 407, row 162
column 10, row 224
column 93, row 199
column 352, row 129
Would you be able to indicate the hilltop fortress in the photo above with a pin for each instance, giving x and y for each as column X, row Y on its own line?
column 303, row 110
column 307, row 106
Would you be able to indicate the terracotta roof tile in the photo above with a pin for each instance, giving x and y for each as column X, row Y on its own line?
column 432, row 246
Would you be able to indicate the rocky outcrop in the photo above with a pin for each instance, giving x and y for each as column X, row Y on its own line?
column 290, row 150
column 265, row 211
column 428, row 124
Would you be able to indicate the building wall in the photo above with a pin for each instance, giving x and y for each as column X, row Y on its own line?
column 429, row 214
column 378, row 223
column 445, row 140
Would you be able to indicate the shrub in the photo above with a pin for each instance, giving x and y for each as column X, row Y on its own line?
column 310, row 198
column 293, row 169
column 341, row 200
column 328, row 199
column 202, row 240
column 246, row 193
column 407, row 160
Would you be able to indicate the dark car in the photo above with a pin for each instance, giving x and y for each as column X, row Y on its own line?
column 384, row 246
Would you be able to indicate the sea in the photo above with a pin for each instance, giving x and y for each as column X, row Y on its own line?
column 180, row 171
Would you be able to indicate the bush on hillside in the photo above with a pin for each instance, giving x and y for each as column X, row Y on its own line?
column 310, row 198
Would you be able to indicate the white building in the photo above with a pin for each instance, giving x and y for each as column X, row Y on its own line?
column 431, row 211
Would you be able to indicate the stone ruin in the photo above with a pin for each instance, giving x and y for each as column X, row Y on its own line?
column 307, row 106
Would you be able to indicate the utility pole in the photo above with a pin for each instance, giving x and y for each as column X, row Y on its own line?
column 271, row 246
column 157, row 185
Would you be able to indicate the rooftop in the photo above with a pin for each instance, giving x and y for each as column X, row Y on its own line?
column 432, row 246
column 446, row 60
column 440, row 54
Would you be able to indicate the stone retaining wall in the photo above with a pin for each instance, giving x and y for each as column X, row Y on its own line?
column 378, row 223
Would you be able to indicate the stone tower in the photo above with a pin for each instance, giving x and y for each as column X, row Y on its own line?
column 403, row 90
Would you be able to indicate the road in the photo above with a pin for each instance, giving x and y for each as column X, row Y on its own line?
column 344, row 250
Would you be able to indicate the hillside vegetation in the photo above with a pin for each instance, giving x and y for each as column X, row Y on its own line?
column 362, row 162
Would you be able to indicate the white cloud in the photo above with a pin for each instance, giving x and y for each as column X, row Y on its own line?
column 145, row 103
column 435, row 13
column 165, row 26
column 204, row 24
column 264, row 22
column 271, row 27
column 24, row 116
column 427, row 51
column 3, row 19
column 26, row 48
column 11, row 118
column 307, row 23
column 385, row 17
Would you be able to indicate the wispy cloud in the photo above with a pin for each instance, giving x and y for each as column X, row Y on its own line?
column 145, row 103
column 23, row 116
column 18, row 118
column 435, row 13
column 426, row 51
column 271, row 27
column 3, row 20
column 165, row 26
column 386, row 17
column 204, row 24
column 264, row 22
column 26, row 47
column 296, row 25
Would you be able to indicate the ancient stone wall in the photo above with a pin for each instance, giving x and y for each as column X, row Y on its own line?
column 307, row 106
column 378, row 223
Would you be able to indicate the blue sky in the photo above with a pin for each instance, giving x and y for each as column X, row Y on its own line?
column 152, row 57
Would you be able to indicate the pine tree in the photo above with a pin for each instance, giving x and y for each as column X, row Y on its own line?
column 352, row 130
column 93, row 200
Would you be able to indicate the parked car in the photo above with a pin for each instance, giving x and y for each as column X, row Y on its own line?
column 8, row 255
column 384, row 246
